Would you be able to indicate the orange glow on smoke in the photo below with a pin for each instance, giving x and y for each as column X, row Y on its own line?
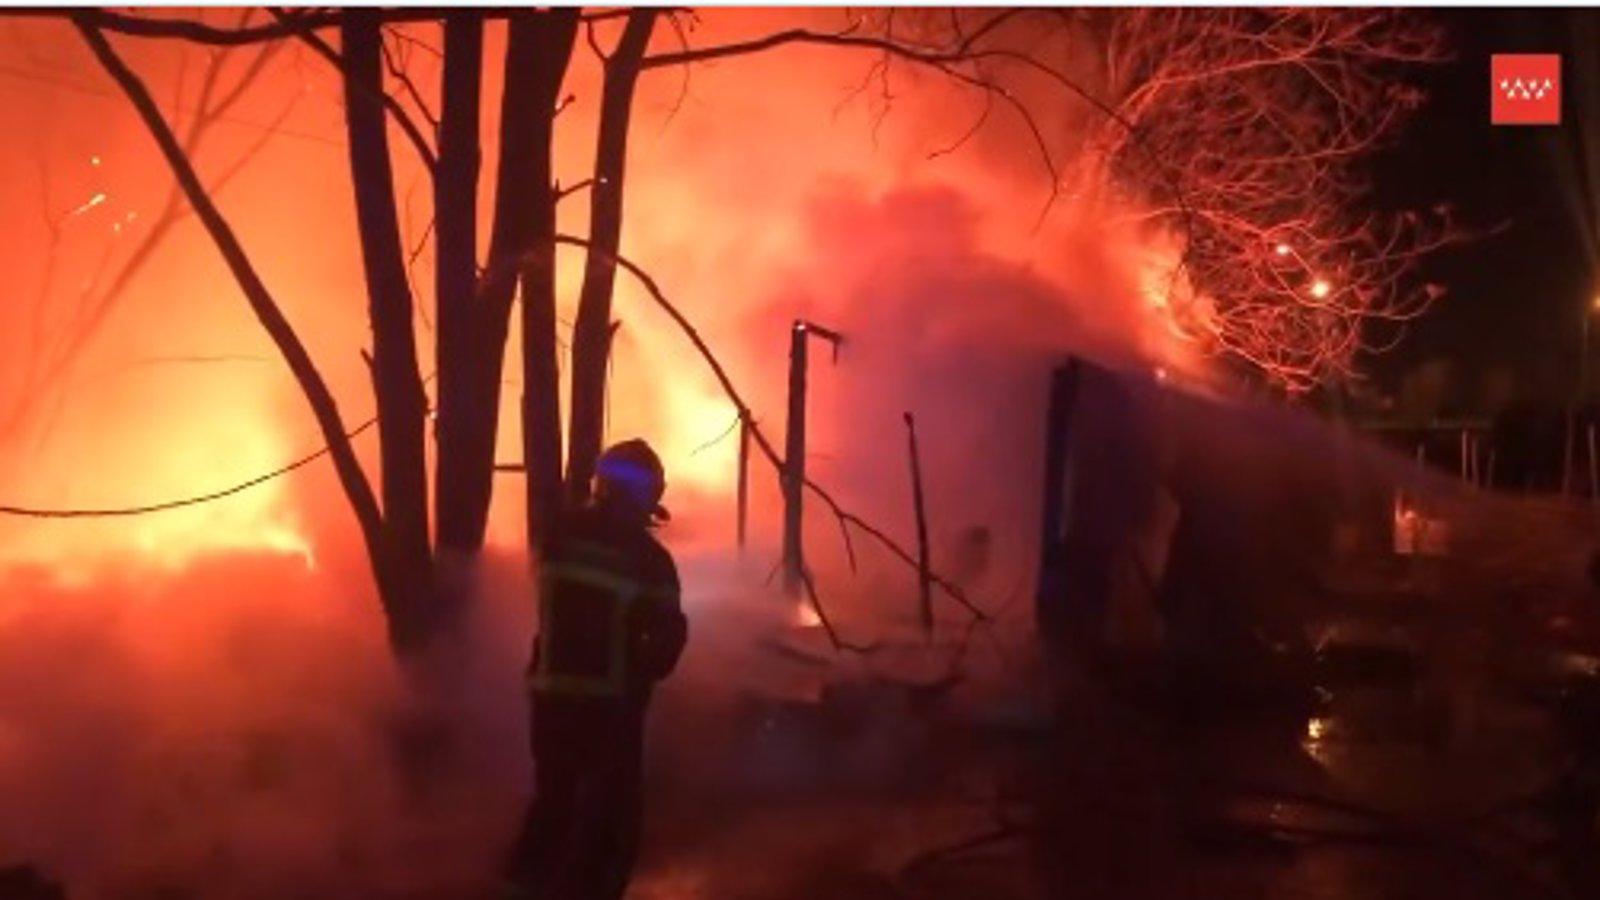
column 760, row 200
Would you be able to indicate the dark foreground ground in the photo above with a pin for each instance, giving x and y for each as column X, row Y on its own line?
column 1430, row 759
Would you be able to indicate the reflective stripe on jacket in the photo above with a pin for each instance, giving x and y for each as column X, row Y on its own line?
column 609, row 615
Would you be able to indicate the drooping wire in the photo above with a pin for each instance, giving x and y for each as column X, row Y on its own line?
column 36, row 512
column 195, row 500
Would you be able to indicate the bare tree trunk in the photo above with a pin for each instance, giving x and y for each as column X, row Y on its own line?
column 541, row 380
column 591, row 339
column 462, row 490
column 402, row 406
column 536, row 59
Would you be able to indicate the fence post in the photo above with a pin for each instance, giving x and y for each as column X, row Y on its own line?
column 924, row 578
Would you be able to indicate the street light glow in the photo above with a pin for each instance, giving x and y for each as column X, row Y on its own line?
column 1281, row 249
column 1320, row 288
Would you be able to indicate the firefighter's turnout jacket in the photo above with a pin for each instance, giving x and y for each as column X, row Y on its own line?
column 610, row 620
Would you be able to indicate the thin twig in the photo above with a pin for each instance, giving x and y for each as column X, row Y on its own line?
column 395, row 110
column 719, row 438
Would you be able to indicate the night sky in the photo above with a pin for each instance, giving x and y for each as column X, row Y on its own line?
column 1517, row 296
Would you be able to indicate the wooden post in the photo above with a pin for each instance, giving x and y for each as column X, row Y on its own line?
column 924, row 578
column 744, row 477
column 794, row 462
column 794, row 452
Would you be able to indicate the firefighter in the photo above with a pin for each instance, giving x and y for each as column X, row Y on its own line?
column 610, row 627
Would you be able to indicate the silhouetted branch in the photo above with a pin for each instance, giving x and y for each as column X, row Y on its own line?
column 952, row 60
column 296, row 24
column 398, row 70
column 1268, row 113
column 390, row 105
column 50, row 358
column 563, row 192
column 761, row 440
column 268, row 313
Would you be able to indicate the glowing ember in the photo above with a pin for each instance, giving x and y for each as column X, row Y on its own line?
column 1316, row 729
column 805, row 616
column 95, row 200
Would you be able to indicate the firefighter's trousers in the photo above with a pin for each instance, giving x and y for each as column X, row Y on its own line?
column 580, row 837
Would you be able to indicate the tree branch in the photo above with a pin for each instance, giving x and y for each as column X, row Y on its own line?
column 297, row 24
column 761, row 440
column 392, row 106
column 318, row 396
column 49, row 364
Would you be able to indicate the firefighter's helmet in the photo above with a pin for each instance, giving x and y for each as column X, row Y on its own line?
column 632, row 469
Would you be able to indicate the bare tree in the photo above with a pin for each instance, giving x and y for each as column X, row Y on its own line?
column 1246, row 131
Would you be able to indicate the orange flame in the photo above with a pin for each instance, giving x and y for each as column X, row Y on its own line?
column 805, row 615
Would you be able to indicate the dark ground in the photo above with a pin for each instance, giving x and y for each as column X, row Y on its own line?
column 1428, row 762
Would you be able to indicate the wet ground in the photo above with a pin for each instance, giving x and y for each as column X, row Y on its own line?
column 1432, row 777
